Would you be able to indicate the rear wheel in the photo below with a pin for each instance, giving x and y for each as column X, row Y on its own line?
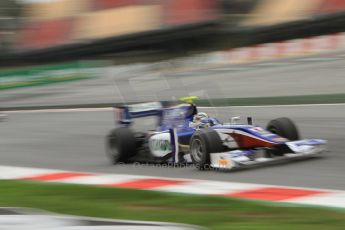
column 120, row 145
column 284, row 127
column 202, row 143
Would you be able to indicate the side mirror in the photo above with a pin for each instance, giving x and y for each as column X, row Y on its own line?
column 250, row 120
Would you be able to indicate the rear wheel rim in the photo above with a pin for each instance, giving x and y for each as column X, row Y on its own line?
column 197, row 150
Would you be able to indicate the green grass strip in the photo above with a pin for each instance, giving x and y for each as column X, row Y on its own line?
column 280, row 100
column 211, row 212
column 41, row 81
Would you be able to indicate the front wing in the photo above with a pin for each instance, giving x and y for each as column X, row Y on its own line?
column 245, row 158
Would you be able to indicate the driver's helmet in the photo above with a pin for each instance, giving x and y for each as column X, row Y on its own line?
column 201, row 120
column 199, row 117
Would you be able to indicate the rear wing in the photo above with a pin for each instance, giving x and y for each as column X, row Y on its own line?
column 126, row 114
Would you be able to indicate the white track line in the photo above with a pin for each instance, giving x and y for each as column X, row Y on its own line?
column 60, row 110
column 202, row 107
column 273, row 106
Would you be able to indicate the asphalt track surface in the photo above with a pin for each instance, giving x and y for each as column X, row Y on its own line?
column 302, row 76
column 75, row 141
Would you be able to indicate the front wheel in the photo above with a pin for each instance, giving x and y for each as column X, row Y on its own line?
column 284, row 127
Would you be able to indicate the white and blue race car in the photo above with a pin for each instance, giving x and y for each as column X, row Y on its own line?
column 183, row 135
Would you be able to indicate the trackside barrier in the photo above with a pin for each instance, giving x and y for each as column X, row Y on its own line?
column 258, row 53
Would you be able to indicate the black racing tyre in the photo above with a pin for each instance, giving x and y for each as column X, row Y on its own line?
column 120, row 145
column 284, row 127
column 202, row 143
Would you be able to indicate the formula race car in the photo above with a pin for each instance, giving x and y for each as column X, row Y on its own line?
column 184, row 135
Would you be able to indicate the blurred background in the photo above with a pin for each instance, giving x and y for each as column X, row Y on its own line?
column 28, row 25
column 50, row 41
